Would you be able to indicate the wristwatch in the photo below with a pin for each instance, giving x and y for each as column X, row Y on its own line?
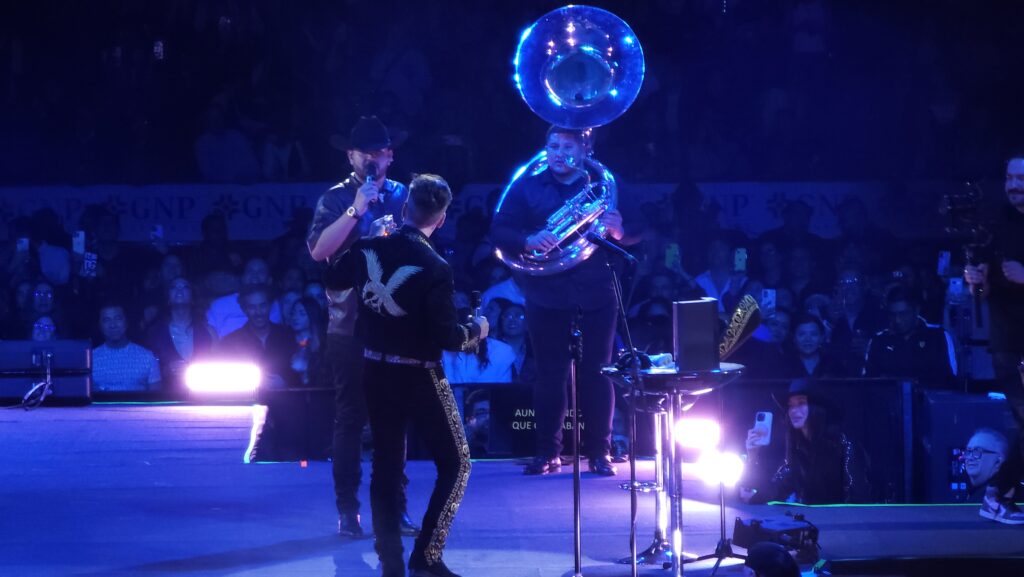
column 351, row 211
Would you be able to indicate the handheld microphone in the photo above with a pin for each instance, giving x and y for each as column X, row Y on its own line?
column 475, row 301
column 371, row 171
column 602, row 241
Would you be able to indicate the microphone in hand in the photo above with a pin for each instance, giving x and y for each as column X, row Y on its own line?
column 475, row 302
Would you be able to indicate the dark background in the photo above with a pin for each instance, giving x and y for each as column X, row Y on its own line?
column 736, row 89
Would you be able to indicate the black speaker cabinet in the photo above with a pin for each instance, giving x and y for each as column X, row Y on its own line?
column 67, row 390
column 695, row 334
column 23, row 364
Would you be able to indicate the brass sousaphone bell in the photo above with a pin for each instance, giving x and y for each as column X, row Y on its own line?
column 576, row 67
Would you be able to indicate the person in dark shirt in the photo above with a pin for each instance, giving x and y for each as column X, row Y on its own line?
column 807, row 357
column 1000, row 281
column 348, row 211
column 552, row 303
column 180, row 336
column 407, row 316
column 910, row 347
column 262, row 342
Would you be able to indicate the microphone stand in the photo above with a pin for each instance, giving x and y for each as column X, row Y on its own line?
column 576, row 350
column 634, row 389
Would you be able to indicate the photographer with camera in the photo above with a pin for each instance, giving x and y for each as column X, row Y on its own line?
column 1000, row 280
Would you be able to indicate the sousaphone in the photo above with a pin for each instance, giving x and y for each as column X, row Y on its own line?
column 577, row 67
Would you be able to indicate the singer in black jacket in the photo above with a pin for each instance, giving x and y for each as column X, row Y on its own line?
column 407, row 317
column 345, row 213
column 554, row 301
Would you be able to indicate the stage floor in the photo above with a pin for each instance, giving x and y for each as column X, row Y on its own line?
column 162, row 490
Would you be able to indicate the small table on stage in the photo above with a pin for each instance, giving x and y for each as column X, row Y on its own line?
column 679, row 390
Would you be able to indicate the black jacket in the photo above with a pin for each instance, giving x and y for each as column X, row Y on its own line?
column 405, row 294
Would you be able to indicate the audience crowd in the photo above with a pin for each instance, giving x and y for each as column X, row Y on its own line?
column 843, row 307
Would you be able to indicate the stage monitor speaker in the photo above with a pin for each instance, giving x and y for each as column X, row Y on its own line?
column 66, row 390
column 23, row 364
column 299, row 425
column 21, row 356
column 695, row 334
column 946, row 421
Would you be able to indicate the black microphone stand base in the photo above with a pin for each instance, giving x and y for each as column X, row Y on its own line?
column 722, row 552
column 658, row 553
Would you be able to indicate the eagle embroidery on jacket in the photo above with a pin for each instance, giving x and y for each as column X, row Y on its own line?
column 376, row 294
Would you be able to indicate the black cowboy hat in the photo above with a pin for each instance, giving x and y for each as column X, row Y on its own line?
column 368, row 134
column 812, row 391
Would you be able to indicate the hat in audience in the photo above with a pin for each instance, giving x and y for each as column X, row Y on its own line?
column 812, row 391
column 768, row 559
column 368, row 134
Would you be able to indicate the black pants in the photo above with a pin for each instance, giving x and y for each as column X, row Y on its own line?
column 550, row 337
column 343, row 367
column 1008, row 377
column 397, row 396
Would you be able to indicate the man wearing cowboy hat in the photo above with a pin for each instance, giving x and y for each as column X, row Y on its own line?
column 348, row 211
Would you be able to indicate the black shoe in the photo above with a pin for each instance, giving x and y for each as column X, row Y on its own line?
column 409, row 529
column 348, row 525
column 602, row 466
column 543, row 466
column 438, row 569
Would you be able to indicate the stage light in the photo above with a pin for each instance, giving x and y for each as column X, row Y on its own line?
column 715, row 467
column 698, row 433
column 222, row 377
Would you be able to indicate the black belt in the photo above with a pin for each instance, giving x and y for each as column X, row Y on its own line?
column 398, row 360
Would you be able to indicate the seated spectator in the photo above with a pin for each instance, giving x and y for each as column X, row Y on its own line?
column 821, row 464
column 119, row 365
column 478, row 419
column 506, row 289
column 804, row 276
column 511, row 330
column 795, row 230
column 990, row 462
column 721, row 281
column 180, row 335
column 44, row 303
column 19, row 315
column 44, row 330
column 910, row 347
column 51, row 245
column 315, row 290
column 215, row 251
column 225, row 315
column 307, row 320
column 854, row 319
column 660, row 284
column 764, row 353
column 493, row 362
column 766, row 264
column 807, row 358
column 259, row 341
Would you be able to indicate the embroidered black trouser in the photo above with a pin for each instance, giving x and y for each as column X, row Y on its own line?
column 396, row 396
